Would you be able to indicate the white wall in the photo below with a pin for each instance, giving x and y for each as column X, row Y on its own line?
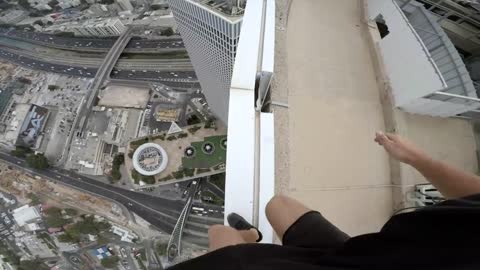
column 411, row 74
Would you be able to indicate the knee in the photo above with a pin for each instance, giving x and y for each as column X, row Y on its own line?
column 217, row 229
column 276, row 203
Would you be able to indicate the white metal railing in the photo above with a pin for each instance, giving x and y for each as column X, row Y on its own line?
column 250, row 154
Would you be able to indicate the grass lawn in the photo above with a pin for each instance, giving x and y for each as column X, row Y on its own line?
column 202, row 160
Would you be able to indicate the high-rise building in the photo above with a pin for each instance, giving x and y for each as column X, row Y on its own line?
column 210, row 30
column 125, row 4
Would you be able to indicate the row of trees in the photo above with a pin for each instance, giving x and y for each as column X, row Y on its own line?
column 137, row 177
column 117, row 162
column 36, row 161
column 87, row 225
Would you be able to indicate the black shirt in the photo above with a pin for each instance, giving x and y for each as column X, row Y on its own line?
column 444, row 236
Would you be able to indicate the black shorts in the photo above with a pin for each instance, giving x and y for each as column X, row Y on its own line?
column 304, row 243
column 312, row 230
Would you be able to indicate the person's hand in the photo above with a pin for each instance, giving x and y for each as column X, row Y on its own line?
column 399, row 148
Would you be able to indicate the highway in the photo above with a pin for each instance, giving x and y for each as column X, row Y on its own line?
column 165, row 77
column 162, row 213
column 95, row 60
column 93, row 44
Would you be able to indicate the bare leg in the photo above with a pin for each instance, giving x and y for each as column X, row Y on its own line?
column 282, row 212
column 220, row 236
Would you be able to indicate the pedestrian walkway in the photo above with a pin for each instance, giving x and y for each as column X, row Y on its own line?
column 326, row 156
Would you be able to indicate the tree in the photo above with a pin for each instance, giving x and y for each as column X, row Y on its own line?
column 56, row 221
column 109, row 262
column 218, row 180
column 210, row 123
column 24, row 80
column 192, row 130
column 137, row 177
column 162, row 248
column 24, row 4
column 39, row 22
column 168, row 32
column 37, row 161
column 53, row 3
column 9, row 255
column 20, row 151
column 67, row 238
column 192, row 120
column 71, row 211
column 117, row 162
column 116, row 175
column 55, row 218
column 34, row 200
column 189, row 172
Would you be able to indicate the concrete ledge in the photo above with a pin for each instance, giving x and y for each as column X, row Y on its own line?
column 431, row 133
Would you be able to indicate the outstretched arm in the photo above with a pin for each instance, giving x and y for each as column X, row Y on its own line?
column 450, row 181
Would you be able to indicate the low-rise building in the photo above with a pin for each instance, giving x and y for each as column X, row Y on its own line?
column 40, row 4
column 12, row 16
column 108, row 27
column 44, row 4
column 125, row 4
column 26, row 215
column 125, row 235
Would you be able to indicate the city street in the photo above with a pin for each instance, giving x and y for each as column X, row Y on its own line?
column 160, row 212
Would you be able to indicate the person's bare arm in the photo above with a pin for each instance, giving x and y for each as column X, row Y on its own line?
column 450, row 181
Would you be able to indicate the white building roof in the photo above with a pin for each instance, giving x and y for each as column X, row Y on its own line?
column 125, row 235
column 25, row 214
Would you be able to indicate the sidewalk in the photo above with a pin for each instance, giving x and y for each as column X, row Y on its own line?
column 326, row 156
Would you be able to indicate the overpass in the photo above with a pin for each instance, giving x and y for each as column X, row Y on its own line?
column 103, row 73
column 174, row 247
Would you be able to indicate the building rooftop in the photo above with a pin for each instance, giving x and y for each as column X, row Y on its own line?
column 25, row 214
column 225, row 7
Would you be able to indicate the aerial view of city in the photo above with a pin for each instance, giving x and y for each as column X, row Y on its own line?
column 111, row 155
column 132, row 132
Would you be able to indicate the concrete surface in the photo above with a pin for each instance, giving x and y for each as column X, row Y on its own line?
column 124, row 96
column 446, row 139
column 326, row 154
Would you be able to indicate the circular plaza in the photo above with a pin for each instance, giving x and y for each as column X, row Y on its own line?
column 150, row 159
